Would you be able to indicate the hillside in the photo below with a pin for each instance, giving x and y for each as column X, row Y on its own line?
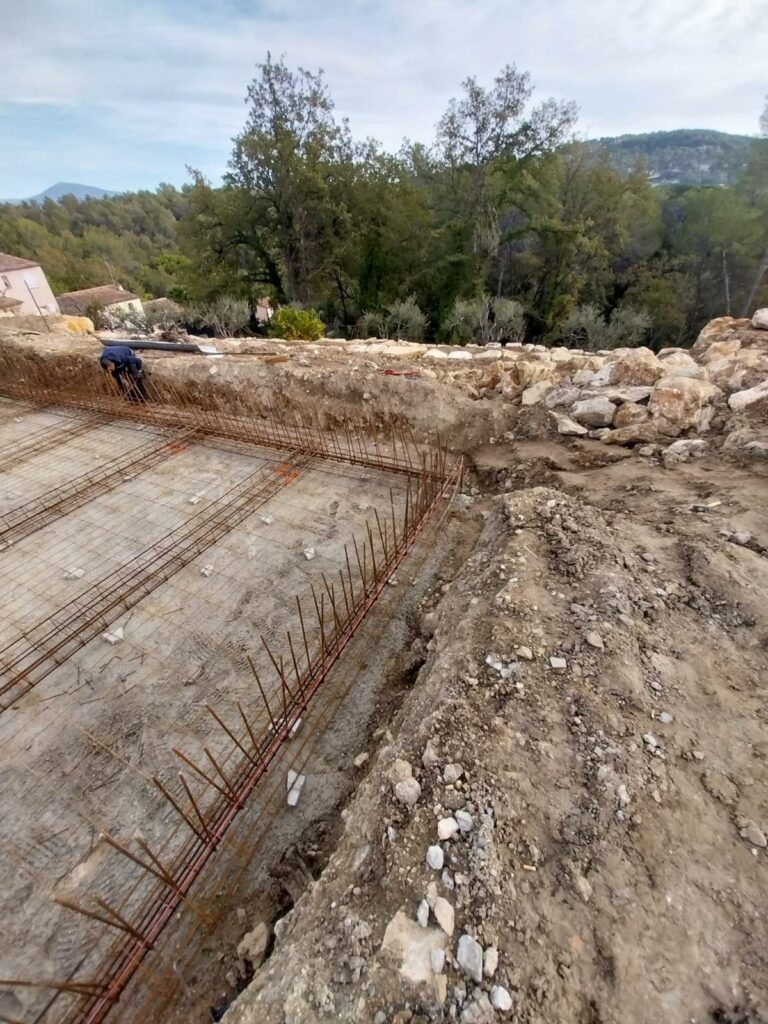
column 67, row 188
column 688, row 156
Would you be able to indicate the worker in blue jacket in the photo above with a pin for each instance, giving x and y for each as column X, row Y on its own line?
column 126, row 369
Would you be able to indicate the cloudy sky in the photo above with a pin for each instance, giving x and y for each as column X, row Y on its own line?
column 127, row 93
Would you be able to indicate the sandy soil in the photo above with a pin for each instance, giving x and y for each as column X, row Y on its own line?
column 617, row 855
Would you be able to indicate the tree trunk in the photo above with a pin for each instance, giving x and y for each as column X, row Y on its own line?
column 726, row 283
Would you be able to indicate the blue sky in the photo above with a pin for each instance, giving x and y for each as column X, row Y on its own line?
column 127, row 93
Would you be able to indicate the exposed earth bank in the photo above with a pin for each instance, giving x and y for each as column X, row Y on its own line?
column 588, row 738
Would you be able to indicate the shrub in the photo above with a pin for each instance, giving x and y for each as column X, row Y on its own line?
column 486, row 319
column 403, row 319
column 296, row 324
column 585, row 327
column 224, row 315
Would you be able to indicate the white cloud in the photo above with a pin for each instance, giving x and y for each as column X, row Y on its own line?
column 158, row 84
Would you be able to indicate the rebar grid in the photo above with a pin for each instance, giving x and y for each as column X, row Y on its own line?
column 32, row 515
column 212, row 797
column 241, row 419
column 28, row 660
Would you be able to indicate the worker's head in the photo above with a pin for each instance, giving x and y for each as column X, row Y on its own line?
column 107, row 365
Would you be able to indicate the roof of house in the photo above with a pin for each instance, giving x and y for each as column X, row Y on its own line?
column 6, row 302
column 102, row 295
column 8, row 262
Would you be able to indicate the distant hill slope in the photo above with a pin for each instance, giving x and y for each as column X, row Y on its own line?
column 687, row 156
column 67, row 188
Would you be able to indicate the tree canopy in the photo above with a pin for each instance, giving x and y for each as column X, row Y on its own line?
column 502, row 226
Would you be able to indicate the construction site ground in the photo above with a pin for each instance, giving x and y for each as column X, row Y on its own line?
column 617, row 859
column 77, row 751
column 574, row 665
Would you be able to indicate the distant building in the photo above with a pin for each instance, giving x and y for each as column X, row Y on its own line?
column 24, row 287
column 110, row 298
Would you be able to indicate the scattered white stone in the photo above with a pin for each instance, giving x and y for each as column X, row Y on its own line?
column 309, row 554
column 741, row 537
column 494, row 661
column 74, row 574
column 595, row 640
column 437, row 959
column 753, row 834
column 558, row 664
column 469, row 954
column 295, row 785
column 452, row 773
column 114, row 636
column 408, row 792
column 447, row 828
column 195, row 499
column 650, row 741
column 490, row 961
column 464, row 820
column 623, row 796
column 360, row 759
column 583, row 887
column 430, row 755
column 435, row 858
column 444, row 915
column 206, row 570
column 422, row 914
column 525, row 653
column 267, row 520
column 665, row 718
column 294, row 728
column 501, row 999
column 399, row 771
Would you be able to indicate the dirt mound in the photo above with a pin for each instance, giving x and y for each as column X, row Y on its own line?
column 588, row 739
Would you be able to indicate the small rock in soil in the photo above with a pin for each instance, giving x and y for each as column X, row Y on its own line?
column 452, row 773
column 558, row 664
column 594, row 640
column 464, row 820
column 500, row 999
column 447, row 828
column 490, row 961
column 435, row 858
column 437, row 959
column 408, row 792
column 469, row 954
column 422, row 914
column 444, row 916
column 525, row 653
column 750, row 831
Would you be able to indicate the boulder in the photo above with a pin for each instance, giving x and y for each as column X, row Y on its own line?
column 536, row 392
column 629, row 413
column 719, row 329
column 760, row 319
column 741, row 400
column 523, row 374
column 721, row 349
column 636, row 433
column 566, row 395
column 729, row 372
column 632, row 366
column 595, row 412
column 680, row 403
column 682, row 365
column 639, row 393
column 565, row 425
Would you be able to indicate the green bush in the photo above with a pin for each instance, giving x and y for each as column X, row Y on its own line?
column 296, row 324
